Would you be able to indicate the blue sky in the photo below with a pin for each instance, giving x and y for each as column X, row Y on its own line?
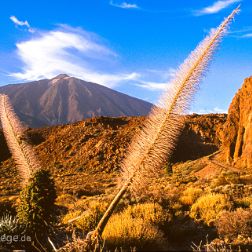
column 132, row 46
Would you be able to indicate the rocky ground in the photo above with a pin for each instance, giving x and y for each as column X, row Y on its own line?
column 85, row 157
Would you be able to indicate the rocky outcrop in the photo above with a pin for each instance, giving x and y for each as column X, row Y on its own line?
column 201, row 136
column 237, row 139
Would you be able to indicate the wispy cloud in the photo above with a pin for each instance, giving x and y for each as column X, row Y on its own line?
column 154, row 86
column 155, row 79
column 215, row 7
column 84, row 55
column 245, row 32
column 210, row 111
column 247, row 35
column 124, row 5
column 18, row 22
column 72, row 51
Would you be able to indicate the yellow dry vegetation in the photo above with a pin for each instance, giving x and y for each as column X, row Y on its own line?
column 137, row 225
column 190, row 195
column 245, row 201
column 86, row 220
column 208, row 207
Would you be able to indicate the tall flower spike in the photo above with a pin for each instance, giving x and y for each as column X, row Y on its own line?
column 155, row 143
column 13, row 129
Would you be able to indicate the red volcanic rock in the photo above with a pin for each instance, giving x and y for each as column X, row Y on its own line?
column 237, row 140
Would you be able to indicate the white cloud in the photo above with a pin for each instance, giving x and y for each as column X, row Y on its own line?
column 81, row 54
column 71, row 51
column 215, row 110
column 247, row 35
column 155, row 79
column 18, row 22
column 155, row 86
column 216, row 7
column 124, row 5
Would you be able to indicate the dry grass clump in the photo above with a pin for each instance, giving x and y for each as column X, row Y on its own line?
column 66, row 200
column 227, row 178
column 87, row 216
column 245, row 202
column 90, row 218
column 136, row 226
column 70, row 217
column 208, row 207
column 235, row 223
column 190, row 195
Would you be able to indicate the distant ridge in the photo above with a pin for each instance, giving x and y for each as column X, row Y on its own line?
column 64, row 99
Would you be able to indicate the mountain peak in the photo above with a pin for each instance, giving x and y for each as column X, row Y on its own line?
column 61, row 76
column 64, row 99
column 57, row 79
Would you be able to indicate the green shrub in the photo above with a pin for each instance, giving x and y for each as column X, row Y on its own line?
column 208, row 207
column 37, row 199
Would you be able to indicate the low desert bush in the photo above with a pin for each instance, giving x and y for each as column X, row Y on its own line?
column 208, row 207
column 172, row 194
column 7, row 206
column 232, row 224
column 245, row 202
column 71, row 216
column 11, row 230
column 88, row 219
column 214, row 246
column 227, row 178
column 136, row 226
column 66, row 200
column 9, row 225
column 190, row 195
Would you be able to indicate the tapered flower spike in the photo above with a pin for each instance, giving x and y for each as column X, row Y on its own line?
column 151, row 148
column 13, row 129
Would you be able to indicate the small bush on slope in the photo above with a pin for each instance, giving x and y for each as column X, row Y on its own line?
column 10, row 225
column 208, row 207
column 190, row 195
column 136, row 226
column 232, row 224
column 88, row 219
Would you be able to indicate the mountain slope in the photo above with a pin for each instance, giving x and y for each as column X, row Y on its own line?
column 65, row 99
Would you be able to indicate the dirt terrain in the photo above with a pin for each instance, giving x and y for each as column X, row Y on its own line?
column 85, row 157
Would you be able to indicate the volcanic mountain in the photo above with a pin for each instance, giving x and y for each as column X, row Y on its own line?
column 65, row 99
